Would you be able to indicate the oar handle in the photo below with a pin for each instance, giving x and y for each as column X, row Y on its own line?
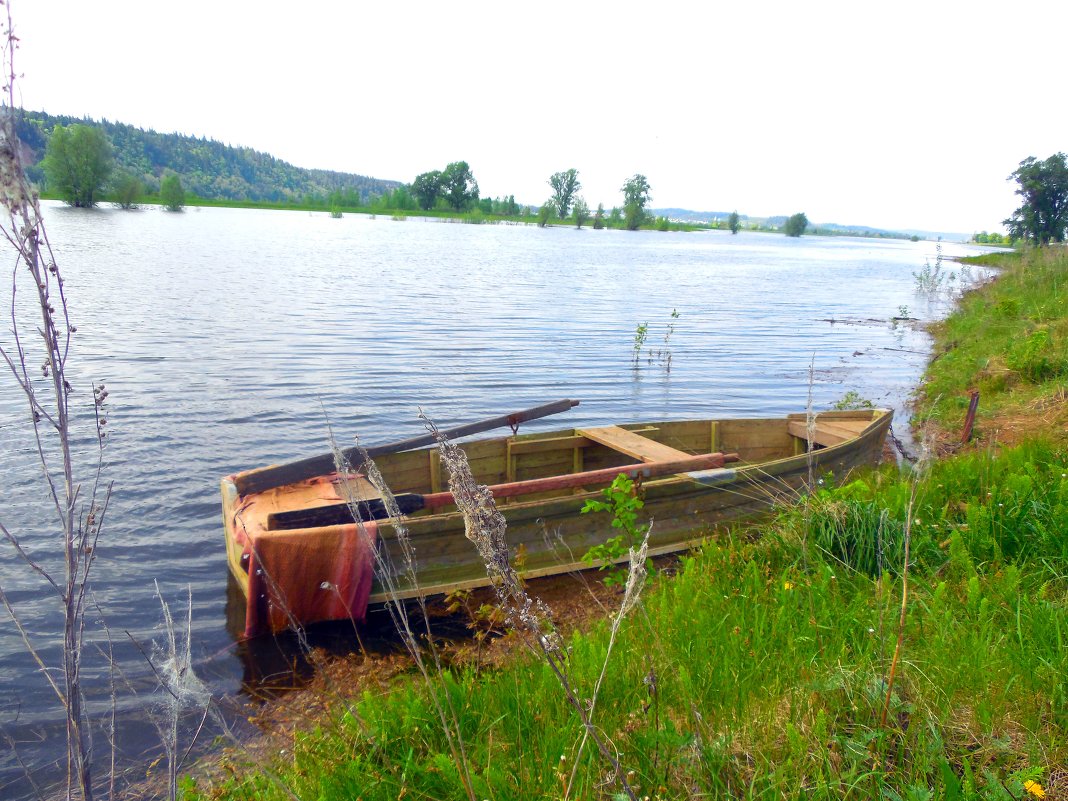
column 705, row 461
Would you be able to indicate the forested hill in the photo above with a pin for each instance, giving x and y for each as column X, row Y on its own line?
column 207, row 168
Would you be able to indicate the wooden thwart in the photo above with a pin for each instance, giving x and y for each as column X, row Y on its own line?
column 827, row 433
column 632, row 444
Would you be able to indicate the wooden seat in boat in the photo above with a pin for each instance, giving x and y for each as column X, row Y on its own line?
column 632, row 444
column 828, row 432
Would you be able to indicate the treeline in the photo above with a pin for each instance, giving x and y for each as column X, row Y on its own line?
column 208, row 169
column 85, row 162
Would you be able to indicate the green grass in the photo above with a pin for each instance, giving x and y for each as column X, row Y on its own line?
column 1009, row 340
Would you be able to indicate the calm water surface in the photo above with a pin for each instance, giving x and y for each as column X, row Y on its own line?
column 228, row 338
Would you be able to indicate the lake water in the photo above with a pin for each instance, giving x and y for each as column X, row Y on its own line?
column 228, row 338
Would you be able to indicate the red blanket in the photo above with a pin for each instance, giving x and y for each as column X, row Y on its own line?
column 304, row 575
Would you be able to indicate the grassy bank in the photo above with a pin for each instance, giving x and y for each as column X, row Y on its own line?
column 1009, row 340
column 765, row 666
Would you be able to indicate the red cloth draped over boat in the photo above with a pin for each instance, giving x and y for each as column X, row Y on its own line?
column 303, row 575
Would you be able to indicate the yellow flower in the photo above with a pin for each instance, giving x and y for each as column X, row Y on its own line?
column 787, row 585
column 1035, row 789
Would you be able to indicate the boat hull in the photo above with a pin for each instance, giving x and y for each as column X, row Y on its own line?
column 547, row 534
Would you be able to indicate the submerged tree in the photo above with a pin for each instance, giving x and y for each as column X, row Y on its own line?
column 128, row 191
column 171, row 193
column 734, row 222
column 1043, row 217
column 78, row 163
column 635, row 198
column 598, row 217
column 545, row 212
column 565, row 184
column 795, row 225
column 582, row 212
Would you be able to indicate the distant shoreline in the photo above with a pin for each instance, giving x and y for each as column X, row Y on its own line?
column 477, row 217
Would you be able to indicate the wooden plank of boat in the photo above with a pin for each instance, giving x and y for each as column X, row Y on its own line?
column 632, row 444
column 825, row 432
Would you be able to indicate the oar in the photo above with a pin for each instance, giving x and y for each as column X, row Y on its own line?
column 279, row 475
column 341, row 513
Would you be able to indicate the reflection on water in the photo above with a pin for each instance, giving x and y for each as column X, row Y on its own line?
column 231, row 338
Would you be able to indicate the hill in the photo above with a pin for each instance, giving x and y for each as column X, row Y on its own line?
column 208, row 168
column 830, row 228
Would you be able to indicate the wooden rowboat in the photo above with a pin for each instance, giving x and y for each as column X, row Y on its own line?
column 299, row 557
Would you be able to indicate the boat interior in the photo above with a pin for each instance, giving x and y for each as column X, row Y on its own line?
column 540, row 455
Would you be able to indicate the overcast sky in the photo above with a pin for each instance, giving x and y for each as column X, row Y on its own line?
column 891, row 114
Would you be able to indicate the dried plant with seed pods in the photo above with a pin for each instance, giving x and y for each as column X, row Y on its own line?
column 36, row 354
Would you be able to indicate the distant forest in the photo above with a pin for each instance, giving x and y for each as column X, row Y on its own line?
column 208, row 169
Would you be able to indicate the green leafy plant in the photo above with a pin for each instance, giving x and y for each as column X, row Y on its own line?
column 641, row 333
column 930, row 280
column 663, row 355
column 622, row 501
column 851, row 401
column 483, row 620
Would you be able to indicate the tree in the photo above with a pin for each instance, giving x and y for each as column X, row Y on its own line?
column 128, row 191
column 582, row 212
column 171, row 193
column 402, row 199
column 78, row 163
column 734, row 222
column 426, row 188
column 795, row 225
column 459, row 186
column 1043, row 217
column 565, row 185
column 598, row 217
column 635, row 197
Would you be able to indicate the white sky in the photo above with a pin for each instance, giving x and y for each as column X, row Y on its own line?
column 892, row 114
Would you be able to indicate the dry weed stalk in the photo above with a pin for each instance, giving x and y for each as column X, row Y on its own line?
column 921, row 464
column 485, row 527
column 80, row 517
column 182, row 689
